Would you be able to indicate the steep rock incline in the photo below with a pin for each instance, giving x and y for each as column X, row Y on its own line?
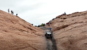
column 70, row 31
column 17, row 34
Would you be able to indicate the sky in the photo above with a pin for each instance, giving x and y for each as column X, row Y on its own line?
column 42, row 11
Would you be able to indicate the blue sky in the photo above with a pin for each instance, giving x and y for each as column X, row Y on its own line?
column 42, row 11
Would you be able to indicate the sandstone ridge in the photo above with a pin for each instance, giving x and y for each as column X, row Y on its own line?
column 17, row 34
column 70, row 31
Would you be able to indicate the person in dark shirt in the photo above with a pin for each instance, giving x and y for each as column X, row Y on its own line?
column 8, row 10
column 16, row 14
column 12, row 12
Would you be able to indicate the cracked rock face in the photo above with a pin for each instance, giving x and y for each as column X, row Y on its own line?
column 17, row 34
column 70, row 31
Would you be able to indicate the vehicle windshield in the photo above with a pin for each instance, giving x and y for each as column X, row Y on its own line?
column 48, row 32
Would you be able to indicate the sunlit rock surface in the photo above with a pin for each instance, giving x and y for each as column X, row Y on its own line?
column 17, row 34
column 70, row 31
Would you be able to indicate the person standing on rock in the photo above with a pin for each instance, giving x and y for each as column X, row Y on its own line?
column 16, row 14
column 12, row 12
column 8, row 10
column 48, row 24
column 64, row 13
column 50, row 29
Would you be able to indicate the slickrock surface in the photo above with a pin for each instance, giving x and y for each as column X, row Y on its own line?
column 17, row 34
column 70, row 31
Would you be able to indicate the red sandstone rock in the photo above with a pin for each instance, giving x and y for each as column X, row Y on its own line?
column 17, row 34
column 70, row 31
